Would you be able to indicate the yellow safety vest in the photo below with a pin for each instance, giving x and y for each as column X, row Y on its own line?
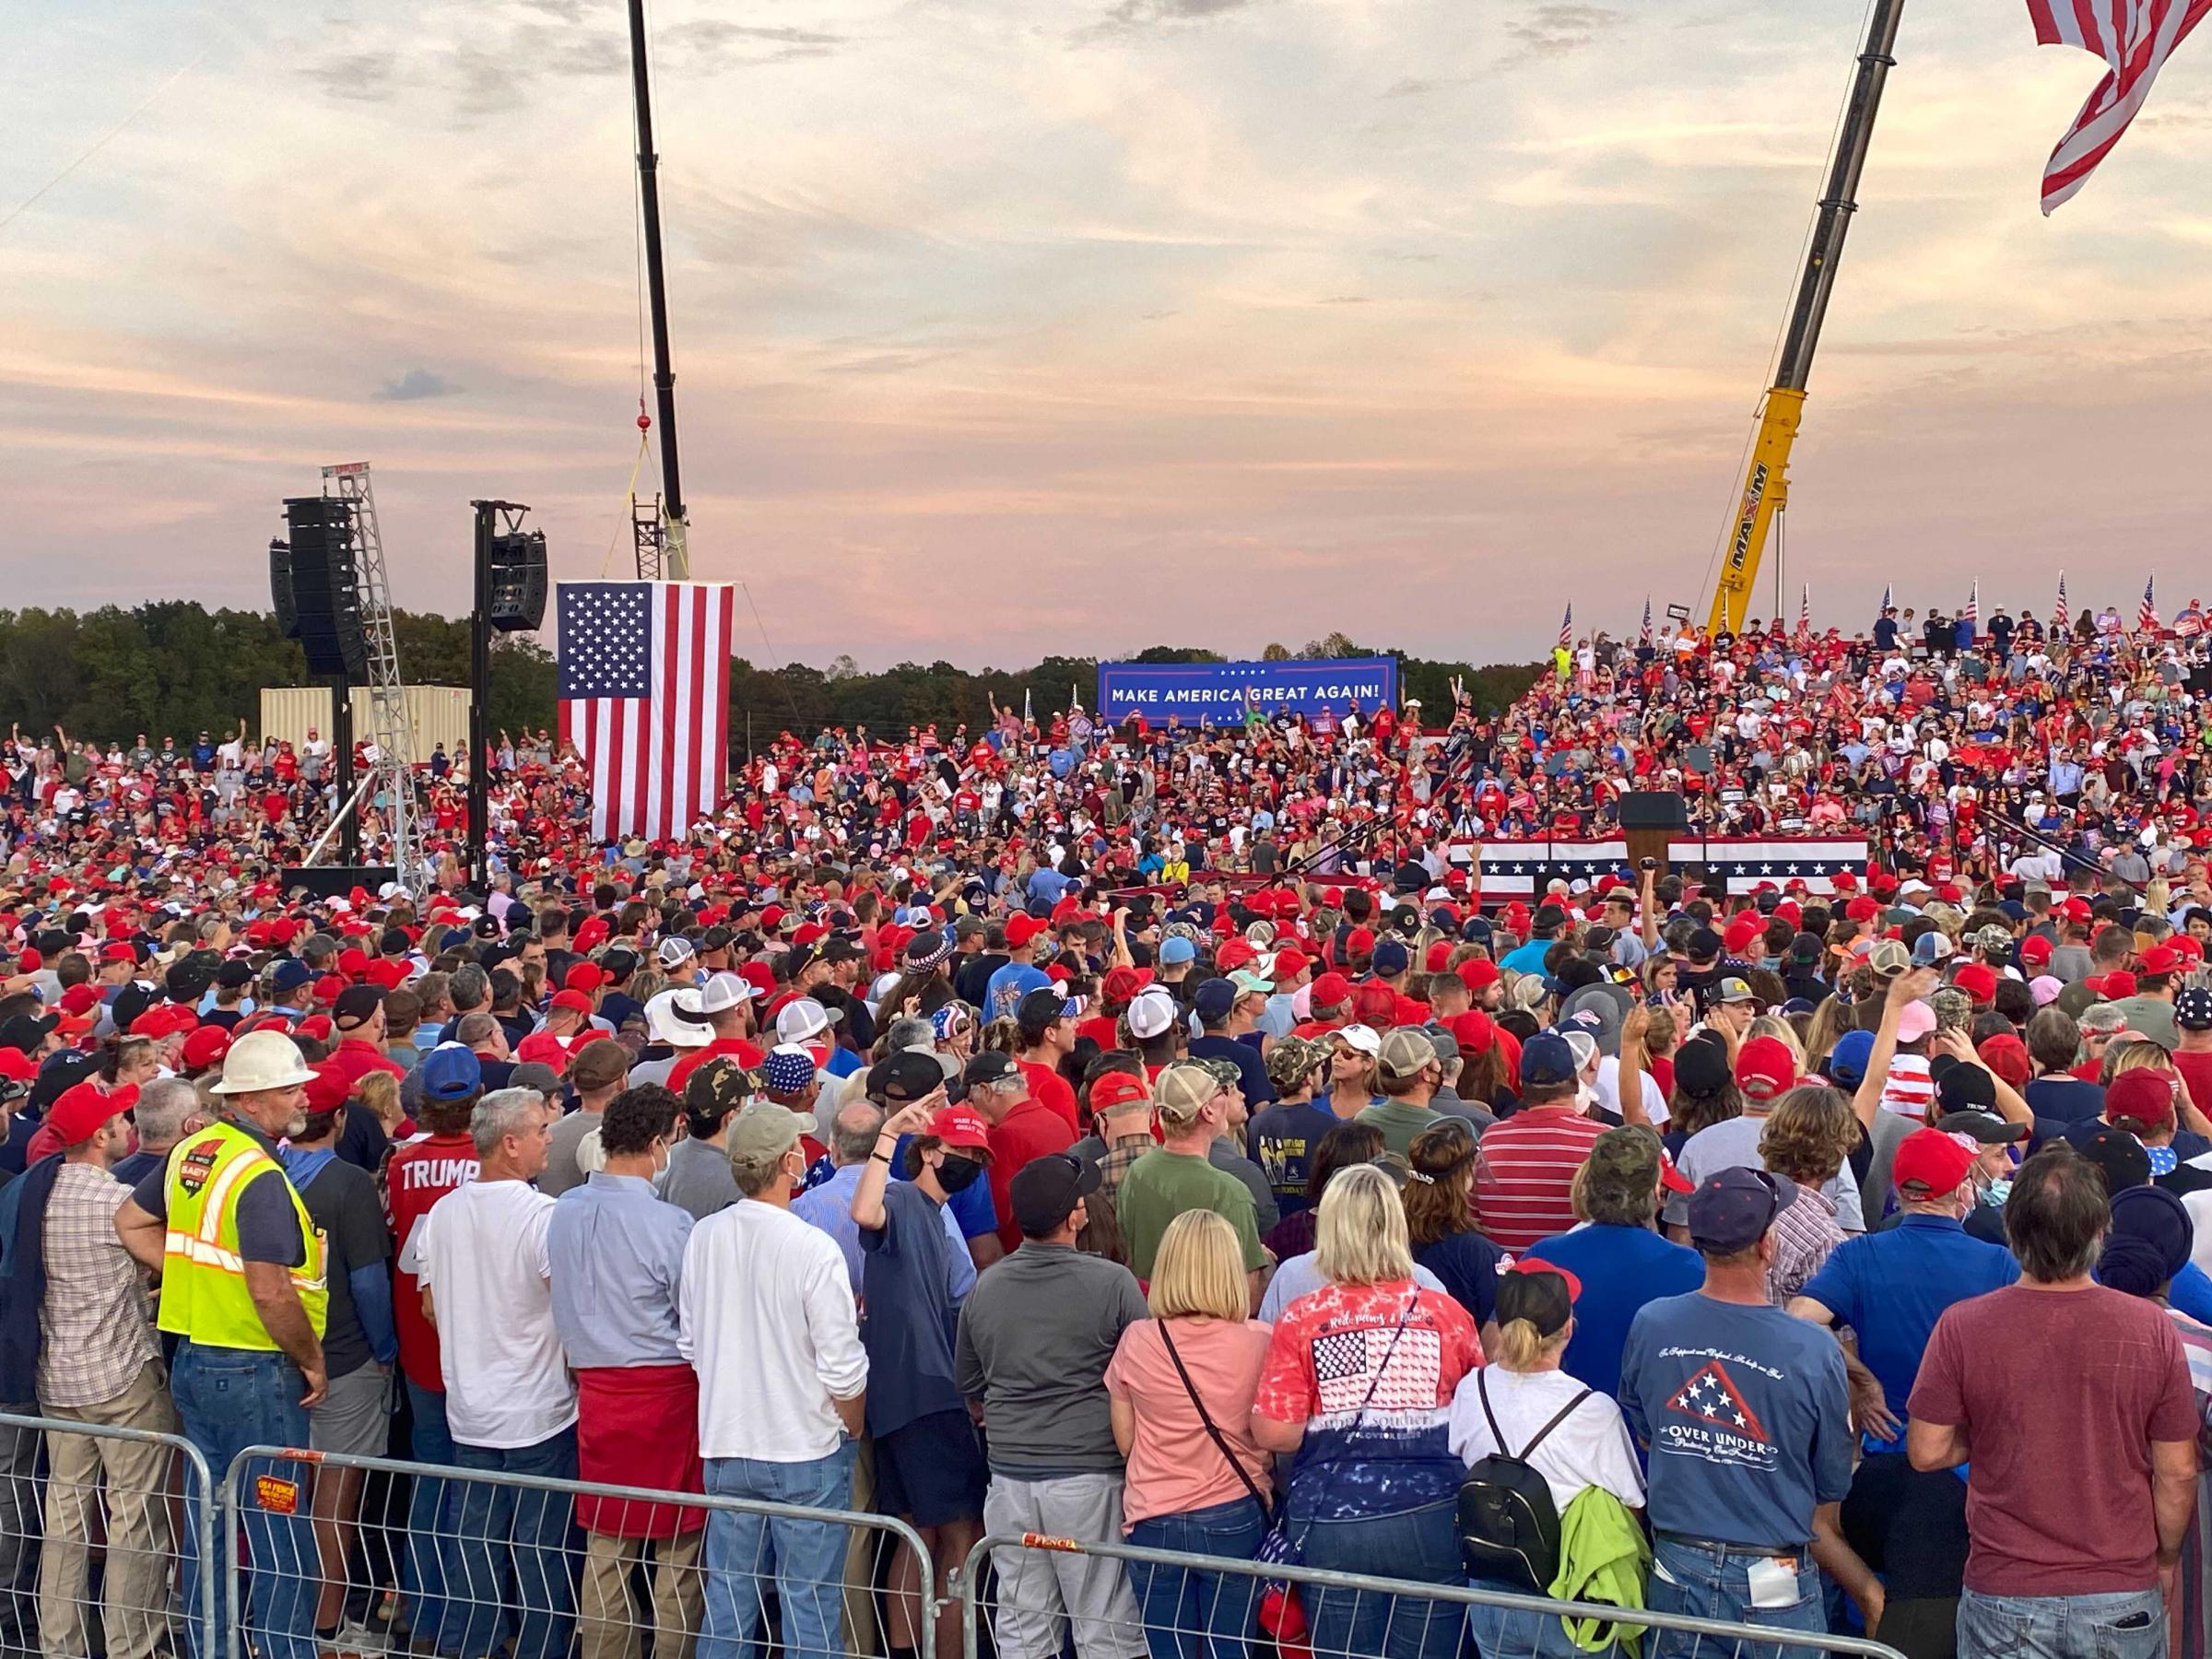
column 204, row 1293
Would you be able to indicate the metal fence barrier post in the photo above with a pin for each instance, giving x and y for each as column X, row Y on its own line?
column 115, row 1491
column 1238, row 1636
column 534, row 1562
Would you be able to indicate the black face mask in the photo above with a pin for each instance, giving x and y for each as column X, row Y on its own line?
column 956, row 1174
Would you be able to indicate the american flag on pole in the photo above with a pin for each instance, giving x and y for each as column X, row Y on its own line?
column 645, row 699
column 1804, row 609
column 1973, row 602
column 1567, row 626
column 1643, row 635
column 1888, row 601
column 2059, row 619
column 2135, row 38
column 2146, row 615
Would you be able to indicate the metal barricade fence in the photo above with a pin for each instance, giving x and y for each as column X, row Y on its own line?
column 92, row 1516
column 433, row 1559
column 1042, row 1595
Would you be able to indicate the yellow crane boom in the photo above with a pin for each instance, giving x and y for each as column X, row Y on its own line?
column 1767, row 483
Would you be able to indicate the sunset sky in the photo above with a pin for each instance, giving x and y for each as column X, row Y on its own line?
column 1015, row 326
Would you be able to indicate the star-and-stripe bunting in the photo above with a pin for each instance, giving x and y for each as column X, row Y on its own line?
column 1744, row 863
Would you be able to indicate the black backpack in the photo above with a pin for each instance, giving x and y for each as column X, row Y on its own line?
column 1509, row 1527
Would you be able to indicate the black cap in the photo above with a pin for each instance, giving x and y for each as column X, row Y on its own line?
column 988, row 1068
column 1964, row 1088
column 1703, row 945
column 130, row 1002
column 24, row 1032
column 356, row 1004
column 904, row 1076
column 1986, row 1127
column 187, row 981
column 1046, row 1191
column 235, row 974
column 2119, row 1154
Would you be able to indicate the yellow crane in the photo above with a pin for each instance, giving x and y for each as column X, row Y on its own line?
column 1767, row 483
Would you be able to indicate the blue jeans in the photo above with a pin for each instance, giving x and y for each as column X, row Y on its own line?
column 2128, row 1624
column 1709, row 1583
column 1503, row 1633
column 536, row 1532
column 229, row 1399
column 807, row 1556
column 1188, row 1614
column 1421, row 1545
column 433, row 1523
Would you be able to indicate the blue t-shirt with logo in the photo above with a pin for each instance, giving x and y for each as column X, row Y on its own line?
column 1745, row 1415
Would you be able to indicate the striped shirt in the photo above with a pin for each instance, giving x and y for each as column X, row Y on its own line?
column 1524, row 1168
column 1909, row 1089
column 1803, row 1234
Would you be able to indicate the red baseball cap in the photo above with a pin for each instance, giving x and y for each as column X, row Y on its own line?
column 205, row 1046
column 1979, row 980
column 1117, row 1089
column 1330, row 989
column 1375, row 1004
column 2143, row 1096
column 961, row 1126
column 78, row 1115
column 1931, row 1162
column 326, row 1091
column 2114, row 985
column 1360, row 942
column 1021, row 928
column 2159, row 958
column 1478, row 975
column 1473, row 1031
column 1123, row 982
column 585, row 977
column 2035, row 949
column 1765, row 1069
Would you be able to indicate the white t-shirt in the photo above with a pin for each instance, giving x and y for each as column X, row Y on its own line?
column 1589, row 1448
column 765, row 1314
column 482, row 1252
column 1609, row 1091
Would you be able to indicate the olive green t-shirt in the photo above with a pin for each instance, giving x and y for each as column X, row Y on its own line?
column 1161, row 1185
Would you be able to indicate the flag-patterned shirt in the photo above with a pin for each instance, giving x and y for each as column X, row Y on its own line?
column 1524, row 1168
column 1370, row 1370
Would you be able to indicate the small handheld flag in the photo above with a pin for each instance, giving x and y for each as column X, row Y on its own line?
column 2060, row 622
column 1567, row 626
column 2147, row 618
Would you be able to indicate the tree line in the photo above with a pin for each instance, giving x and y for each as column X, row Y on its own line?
column 175, row 668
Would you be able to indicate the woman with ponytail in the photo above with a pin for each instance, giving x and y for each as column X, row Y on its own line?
column 1511, row 1400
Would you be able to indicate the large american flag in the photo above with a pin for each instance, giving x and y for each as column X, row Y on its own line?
column 645, row 699
column 2133, row 38
column 2147, row 613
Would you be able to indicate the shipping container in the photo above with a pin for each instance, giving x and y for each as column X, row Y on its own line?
column 435, row 715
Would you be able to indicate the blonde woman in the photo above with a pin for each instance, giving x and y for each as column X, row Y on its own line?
column 1180, row 1390
column 1357, row 1377
column 1523, row 1405
column 1353, row 1049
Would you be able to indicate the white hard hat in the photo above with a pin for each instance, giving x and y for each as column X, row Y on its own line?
column 261, row 1061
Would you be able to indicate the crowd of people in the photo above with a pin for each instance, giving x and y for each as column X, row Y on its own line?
column 1145, row 1136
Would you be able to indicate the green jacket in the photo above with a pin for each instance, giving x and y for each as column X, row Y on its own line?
column 1603, row 1558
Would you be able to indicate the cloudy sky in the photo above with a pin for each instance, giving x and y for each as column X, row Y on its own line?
column 1007, row 327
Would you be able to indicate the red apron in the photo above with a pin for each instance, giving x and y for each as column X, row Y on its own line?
column 638, row 1426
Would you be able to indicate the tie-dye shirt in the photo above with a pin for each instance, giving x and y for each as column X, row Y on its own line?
column 1374, row 1397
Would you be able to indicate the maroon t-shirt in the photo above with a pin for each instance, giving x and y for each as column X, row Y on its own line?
column 2061, row 1393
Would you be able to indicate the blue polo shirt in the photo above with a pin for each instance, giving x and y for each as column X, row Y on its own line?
column 1892, row 1287
column 1620, row 1268
column 1528, row 958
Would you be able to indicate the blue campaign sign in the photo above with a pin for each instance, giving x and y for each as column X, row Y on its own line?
column 1225, row 691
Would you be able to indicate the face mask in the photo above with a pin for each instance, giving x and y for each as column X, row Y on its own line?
column 956, row 1174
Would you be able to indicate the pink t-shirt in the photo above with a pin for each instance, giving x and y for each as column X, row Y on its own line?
column 1175, row 1465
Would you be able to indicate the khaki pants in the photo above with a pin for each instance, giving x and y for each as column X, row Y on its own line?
column 137, row 1615
column 607, row 1623
column 861, row 1636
